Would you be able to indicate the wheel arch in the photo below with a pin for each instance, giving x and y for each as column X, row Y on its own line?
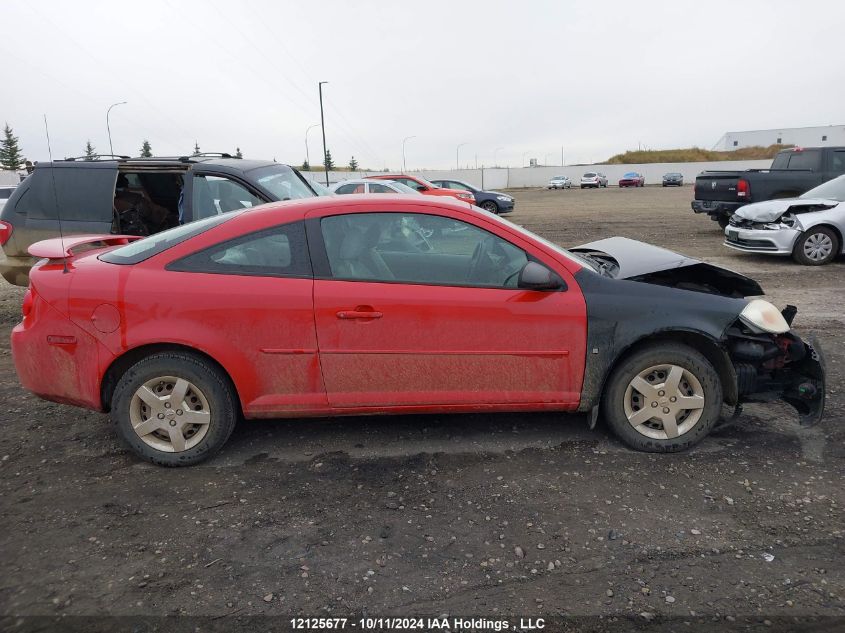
column 831, row 227
column 702, row 343
column 122, row 363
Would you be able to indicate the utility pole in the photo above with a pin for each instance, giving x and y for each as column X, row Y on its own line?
column 323, row 126
column 108, row 129
column 404, row 140
column 307, row 155
column 457, row 154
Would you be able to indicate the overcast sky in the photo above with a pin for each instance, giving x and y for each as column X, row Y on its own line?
column 528, row 77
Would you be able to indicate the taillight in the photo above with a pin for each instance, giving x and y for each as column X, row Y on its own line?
column 26, row 306
column 743, row 189
column 5, row 232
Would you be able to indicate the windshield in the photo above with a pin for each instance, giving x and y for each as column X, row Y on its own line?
column 581, row 261
column 403, row 188
column 630, row 174
column 281, row 181
column 831, row 190
column 559, row 178
column 321, row 189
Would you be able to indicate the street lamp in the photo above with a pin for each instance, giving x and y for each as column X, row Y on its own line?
column 323, row 126
column 307, row 155
column 457, row 154
column 407, row 138
column 495, row 160
column 111, row 149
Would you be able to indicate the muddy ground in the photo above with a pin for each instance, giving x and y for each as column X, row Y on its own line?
column 463, row 515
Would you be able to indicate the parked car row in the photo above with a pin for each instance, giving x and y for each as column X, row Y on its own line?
column 594, row 180
column 491, row 201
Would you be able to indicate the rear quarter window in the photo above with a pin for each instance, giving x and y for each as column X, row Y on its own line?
column 72, row 193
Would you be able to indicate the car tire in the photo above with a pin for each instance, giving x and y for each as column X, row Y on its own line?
column 490, row 207
column 816, row 246
column 143, row 400
column 723, row 221
column 660, row 365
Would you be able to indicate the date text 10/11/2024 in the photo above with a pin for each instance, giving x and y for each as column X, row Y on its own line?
column 418, row 623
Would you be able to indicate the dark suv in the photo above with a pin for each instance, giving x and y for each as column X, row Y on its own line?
column 136, row 196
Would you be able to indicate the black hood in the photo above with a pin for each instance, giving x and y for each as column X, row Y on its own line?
column 623, row 258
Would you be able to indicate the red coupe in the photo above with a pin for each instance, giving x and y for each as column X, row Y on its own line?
column 394, row 304
column 632, row 179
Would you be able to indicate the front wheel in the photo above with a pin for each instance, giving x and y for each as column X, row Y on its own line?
column 816, row 246
column 490, row 206
column 174, row 409
column 662, row 399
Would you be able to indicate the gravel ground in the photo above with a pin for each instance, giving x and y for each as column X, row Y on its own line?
column 493, row 515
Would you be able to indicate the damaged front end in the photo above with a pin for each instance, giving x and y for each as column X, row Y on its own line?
column 781, row 366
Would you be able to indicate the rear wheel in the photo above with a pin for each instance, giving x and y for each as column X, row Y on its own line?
column 492, row 207
column 664, row 398
column 174, row 409
column 816, row 246
column 723, row 220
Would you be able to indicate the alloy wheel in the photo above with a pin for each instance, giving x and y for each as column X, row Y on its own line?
column 664, row 401
column 818, row 247
column 170, row 414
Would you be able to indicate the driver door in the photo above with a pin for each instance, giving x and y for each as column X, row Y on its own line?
column 419, row 310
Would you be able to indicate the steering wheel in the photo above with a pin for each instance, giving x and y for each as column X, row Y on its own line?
column 481, row 252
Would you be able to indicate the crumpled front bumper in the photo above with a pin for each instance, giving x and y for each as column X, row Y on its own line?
column 786, row 368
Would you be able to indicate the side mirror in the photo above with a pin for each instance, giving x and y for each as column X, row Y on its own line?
column 534, row 276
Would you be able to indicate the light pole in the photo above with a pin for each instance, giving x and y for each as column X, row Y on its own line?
column 323, row 126
column 407, row 138
column 108, row 129
column 307, row 155
column 495, row 160
column 457, row 154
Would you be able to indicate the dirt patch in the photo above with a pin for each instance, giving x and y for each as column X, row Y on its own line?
column 481, row 514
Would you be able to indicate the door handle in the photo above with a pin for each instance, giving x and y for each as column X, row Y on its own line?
column 359, row 314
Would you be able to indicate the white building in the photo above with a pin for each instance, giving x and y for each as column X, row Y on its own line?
column 832, row 135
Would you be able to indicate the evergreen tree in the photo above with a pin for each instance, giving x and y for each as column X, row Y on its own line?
column 196, row 149
column 328, row 163
column 90, row 152
column 353, row 164
column 146, row 150
column 238, row 153
column 305, row 166
column 11, row 156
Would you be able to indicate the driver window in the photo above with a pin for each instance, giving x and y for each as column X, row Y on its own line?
column 418, row 248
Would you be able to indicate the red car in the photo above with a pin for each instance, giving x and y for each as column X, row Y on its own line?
column 428, row 188
column 632, row 179
column 394, row 304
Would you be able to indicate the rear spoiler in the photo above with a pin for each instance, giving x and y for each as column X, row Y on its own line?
column 60, row 248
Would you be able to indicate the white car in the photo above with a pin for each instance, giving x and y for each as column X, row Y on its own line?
column 592, row 180
column 6, row 192
column 809, row 227
column 560, row 182
column 362, row 185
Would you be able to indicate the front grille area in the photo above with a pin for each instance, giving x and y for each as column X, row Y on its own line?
column 767, row 245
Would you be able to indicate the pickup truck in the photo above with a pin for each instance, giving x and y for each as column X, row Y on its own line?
column 793, row 171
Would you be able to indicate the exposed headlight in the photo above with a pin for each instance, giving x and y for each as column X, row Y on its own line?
column 762, row 316
column 503, row 198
